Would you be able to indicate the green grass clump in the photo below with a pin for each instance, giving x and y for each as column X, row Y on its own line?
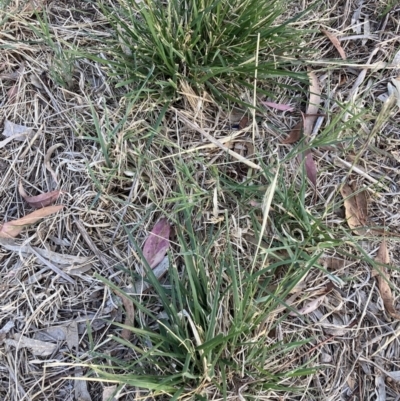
column 213, row 45
column 213, row 316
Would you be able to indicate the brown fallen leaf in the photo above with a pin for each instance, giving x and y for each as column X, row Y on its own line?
column 295, row 133
column 356, row 208
column 244, row 122
column 41, row 200
column 154, row 250
column 12, row 228
column 311, row 168
column 383, row 281
column 157, row 243
column 47, row 160
column 309, row 306
column 335, row 42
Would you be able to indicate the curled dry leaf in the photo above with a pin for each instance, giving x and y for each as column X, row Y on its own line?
column 41, row 200
column 383, row 281
column 12, row 228
column 157, row 243
column 335, row 42
column 356, row 208
column 295, row 133
column 47, row 160
column 309, row 306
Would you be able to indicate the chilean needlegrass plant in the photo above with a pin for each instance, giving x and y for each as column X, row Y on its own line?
column 214, row 315
column 215, row 45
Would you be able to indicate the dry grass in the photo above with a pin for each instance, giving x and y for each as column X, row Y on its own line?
column 134, row 177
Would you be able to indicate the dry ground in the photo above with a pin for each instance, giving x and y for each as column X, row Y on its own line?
column 353, row 337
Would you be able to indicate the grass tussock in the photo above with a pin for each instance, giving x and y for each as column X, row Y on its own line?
column 213, row 45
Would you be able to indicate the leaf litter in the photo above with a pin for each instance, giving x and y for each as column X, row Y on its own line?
column 295, row 133
column 383, row 278
column 39, row 201
column 13, row 228
column 95, row 221
column 154, row 250
column 37, row 347
column 157, row 243
column 356, row 208
column 335, row 41
column 15, row 132
column 305, row 127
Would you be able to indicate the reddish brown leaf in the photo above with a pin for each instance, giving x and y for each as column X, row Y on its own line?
column 335, row 42
column 311, row 168
column 157, row 244
column 244, row 122
column 12, row 228
column 383, row 279
column 295, row 133
column 41, row 200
